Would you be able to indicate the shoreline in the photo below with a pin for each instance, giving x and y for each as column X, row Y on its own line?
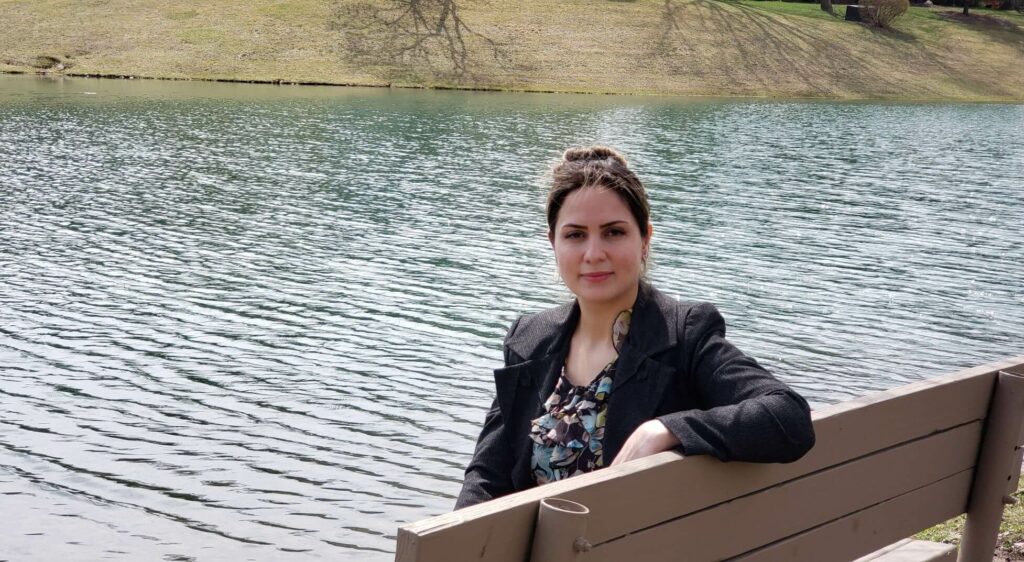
column 486, row 89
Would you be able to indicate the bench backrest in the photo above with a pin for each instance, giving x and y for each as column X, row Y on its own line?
column 884, row 466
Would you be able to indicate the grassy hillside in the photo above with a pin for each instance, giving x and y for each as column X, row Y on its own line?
column 703, row 47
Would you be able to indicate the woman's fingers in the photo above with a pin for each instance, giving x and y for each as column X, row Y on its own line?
column 650, row 438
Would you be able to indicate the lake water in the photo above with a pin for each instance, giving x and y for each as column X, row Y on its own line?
column 246, row 322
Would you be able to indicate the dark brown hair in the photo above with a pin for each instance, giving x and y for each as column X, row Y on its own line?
column 597, row 166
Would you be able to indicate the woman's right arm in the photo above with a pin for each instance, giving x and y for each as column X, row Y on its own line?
column 489, row 474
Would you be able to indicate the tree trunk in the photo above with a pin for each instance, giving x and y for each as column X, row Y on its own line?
column 967, row 3
column 826, row 5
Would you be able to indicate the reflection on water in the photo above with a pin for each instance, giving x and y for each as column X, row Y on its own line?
column 242, row 321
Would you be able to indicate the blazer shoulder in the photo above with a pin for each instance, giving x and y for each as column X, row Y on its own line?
column 676, row 313
column 533, row 334
column 680, row 321
column 699, row 316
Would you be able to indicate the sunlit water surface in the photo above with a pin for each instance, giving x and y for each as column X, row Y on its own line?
column 258, row 323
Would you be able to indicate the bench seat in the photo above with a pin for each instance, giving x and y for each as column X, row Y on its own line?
column 910, row 550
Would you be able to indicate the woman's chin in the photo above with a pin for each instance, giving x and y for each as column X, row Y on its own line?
column 601, row 294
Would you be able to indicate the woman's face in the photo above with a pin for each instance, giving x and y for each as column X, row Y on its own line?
column 598, row 247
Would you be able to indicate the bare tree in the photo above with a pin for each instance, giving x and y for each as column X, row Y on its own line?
column 417, row 30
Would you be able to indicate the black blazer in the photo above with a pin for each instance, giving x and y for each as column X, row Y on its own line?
column 675, row 365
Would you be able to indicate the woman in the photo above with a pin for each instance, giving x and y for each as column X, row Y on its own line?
column 623, row 371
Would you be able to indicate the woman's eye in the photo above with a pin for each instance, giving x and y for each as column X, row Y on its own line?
column 616, row 232
column 574, row 234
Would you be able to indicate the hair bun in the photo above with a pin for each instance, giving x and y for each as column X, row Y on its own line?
column 594, row 153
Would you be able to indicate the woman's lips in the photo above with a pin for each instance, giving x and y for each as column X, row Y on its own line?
column 599, row 276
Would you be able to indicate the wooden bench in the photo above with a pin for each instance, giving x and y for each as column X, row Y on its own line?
column 884, row 467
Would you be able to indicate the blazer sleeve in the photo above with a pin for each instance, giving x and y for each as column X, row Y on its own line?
column 489, row 473
column 750, row 415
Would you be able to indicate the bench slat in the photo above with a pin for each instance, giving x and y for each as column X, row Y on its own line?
column 788, row 509
column 872, row 528
column 910, row 550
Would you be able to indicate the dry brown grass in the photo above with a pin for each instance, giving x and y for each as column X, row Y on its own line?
column 691, row 47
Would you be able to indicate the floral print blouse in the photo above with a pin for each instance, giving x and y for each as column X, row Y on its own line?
column 567, row 438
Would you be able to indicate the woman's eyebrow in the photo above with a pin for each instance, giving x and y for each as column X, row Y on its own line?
column 605, row 225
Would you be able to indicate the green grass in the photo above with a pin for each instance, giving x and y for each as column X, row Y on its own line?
column 202, row 36
column 804, row 9
column 287, row 10
column 1011, row 532
column 687, row 47
column 181, row 15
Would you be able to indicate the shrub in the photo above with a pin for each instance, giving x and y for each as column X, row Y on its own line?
column 882, row 12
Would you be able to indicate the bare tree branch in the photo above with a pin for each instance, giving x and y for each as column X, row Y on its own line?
column 414, row 30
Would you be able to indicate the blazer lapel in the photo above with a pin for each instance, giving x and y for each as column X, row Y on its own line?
column 652, row 329
column 522, row 390
column 536, row 376
column 632, row 404
column 640, row 380
column 507, row 381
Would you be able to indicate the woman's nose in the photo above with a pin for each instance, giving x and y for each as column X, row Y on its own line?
column 594, row 251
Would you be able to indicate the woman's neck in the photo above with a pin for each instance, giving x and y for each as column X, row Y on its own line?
column 596, row 319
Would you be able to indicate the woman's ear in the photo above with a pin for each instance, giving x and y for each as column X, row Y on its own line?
column 551, row 239
column 647, row 243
